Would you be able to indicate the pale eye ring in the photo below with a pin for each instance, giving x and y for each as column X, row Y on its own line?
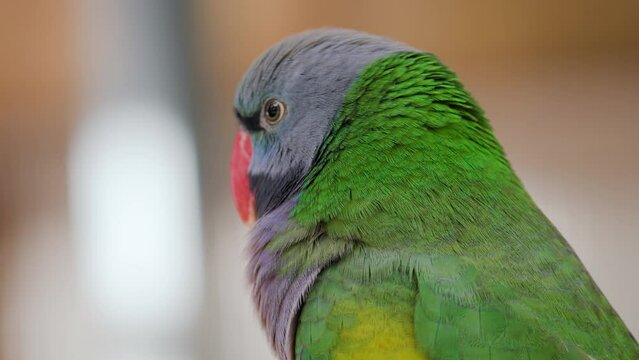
column 273, row 111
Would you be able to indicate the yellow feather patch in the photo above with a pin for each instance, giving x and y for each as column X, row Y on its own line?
column 377, row 335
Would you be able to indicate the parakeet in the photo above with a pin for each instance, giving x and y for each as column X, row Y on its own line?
column 388, row 222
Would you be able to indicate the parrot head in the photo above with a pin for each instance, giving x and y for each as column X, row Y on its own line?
column 285, row 104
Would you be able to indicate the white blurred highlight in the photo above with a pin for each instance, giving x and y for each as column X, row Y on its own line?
column 136, row 221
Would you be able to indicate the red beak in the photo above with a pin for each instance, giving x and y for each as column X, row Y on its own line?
column 240, row 161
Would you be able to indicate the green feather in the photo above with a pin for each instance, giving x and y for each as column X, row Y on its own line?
column 413, row 194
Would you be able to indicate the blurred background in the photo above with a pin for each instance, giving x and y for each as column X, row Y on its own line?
column 118, row 237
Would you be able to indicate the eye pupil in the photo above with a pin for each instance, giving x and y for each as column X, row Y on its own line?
column 273, row 110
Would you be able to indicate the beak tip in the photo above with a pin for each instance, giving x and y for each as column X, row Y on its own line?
column 248, row 213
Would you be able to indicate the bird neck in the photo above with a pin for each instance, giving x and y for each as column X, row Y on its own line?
column 409, row 151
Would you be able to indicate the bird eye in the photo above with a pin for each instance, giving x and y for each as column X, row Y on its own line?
column 273, row 111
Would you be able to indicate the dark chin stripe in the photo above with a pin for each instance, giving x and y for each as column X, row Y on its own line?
column 271, row 192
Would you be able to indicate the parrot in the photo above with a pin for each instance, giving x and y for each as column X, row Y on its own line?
column 387, row 222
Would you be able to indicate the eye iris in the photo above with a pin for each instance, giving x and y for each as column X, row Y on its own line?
column 273, row 110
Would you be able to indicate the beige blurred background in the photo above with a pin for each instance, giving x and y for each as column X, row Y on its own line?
column 559, row 81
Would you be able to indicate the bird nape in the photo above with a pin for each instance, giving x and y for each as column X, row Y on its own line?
column 390, row 224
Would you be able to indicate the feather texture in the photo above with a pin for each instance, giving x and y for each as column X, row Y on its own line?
column 417, row 216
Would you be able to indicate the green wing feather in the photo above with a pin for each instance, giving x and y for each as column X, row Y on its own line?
column 412, row 178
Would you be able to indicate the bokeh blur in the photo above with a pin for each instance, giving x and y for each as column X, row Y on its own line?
column 118, row 237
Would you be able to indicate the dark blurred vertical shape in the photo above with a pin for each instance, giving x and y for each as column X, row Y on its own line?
column 133, row 181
